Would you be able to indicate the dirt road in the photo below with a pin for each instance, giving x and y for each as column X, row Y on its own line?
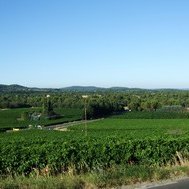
column 65, row 125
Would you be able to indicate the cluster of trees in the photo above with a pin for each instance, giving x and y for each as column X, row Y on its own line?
column 158, row 100
column 100, row 104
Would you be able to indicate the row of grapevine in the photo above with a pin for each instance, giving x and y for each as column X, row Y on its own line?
column 152, row 115
column 86, row 154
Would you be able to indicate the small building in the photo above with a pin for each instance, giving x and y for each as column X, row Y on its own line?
column 15, row 129
column 126, row 108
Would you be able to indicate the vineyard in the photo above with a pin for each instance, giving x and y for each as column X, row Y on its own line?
column 108, row 143
column 11, row 118
column 152, row 115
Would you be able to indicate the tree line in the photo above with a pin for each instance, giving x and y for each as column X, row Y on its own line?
column 100, row 104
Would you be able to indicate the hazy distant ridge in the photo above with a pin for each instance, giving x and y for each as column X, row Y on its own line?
column 19, row 88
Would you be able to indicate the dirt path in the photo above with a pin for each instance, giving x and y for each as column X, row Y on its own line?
column 64, row 126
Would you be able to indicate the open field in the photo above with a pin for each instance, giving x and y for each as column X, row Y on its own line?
column 10, row 118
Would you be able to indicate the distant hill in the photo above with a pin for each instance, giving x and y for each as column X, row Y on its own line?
column 14, row 87
column 83, row 89
column 19, row 88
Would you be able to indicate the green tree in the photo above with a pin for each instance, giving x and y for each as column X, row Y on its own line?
column 47, row 107
column 24, row 116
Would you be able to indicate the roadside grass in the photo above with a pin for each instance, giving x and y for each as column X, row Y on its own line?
column 42, row 183
column 113, row 177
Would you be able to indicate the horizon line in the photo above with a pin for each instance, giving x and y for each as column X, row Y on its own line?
column 85, row 86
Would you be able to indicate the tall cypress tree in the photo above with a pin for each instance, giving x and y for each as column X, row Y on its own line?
column 47, row 107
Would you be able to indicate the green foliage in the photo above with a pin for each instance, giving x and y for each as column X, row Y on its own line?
column 100, row 103
column 48, row 108
column 110, row 142
column 21, row 117
column 153, row 115
column 24, row 116
column 101, row 106
column 86, row 154
column 111, row 178
column 12, row 118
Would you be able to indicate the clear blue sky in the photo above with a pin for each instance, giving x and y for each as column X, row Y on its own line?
column 130, row 43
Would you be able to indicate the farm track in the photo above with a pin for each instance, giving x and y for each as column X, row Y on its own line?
column 66, row 125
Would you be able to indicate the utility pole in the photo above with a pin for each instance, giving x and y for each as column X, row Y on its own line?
column 85, row 110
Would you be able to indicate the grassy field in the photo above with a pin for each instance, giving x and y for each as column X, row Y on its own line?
column 10, row 118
